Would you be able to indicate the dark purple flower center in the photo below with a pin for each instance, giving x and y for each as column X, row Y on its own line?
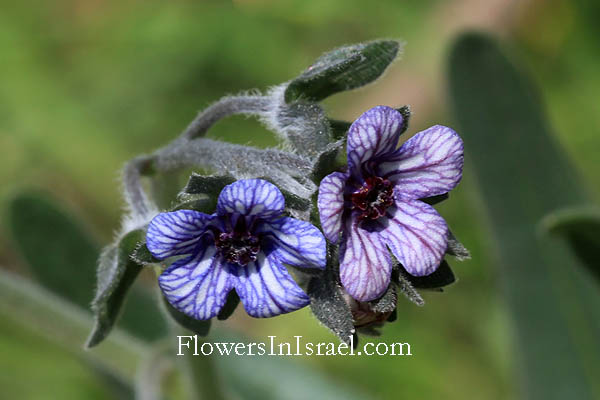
column 239, row 246
column 373, row 198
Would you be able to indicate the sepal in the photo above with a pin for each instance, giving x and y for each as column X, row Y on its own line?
column 456, row 248
column 442, row 276
column 142, row 256
column 230, row 305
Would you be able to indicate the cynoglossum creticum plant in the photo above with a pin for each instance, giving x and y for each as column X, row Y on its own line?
column 235, row 232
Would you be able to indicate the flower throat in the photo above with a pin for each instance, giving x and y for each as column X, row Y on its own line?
column 239, row 246
column 373, row 198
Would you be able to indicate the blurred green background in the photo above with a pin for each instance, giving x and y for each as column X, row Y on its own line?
column 88, row 84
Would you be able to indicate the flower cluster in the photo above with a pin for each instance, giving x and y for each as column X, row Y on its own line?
column 373, row 210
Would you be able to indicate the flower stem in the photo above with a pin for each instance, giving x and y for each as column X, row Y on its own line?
column 230, row 105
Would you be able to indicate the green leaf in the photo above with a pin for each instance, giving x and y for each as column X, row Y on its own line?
column 116, row 273
column 291, row 200
column 523, row 175
column 203, row 204
column 326, row 161
column 339, row 129
column 581, row 228
column 208, row 185
column 328, row 305
column 344, row 68
column 59, row 251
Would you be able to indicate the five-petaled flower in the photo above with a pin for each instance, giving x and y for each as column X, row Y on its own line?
column 243, row 246
column 376, row 204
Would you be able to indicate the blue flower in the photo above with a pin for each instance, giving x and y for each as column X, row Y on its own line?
column 243, row 246
column 375, row 206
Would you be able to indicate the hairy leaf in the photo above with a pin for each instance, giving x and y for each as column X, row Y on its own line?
column 329, row 306
column 208, row 185
column 116, row 273
column 344, row 68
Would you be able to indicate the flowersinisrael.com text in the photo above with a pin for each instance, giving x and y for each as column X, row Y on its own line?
column 192, row 345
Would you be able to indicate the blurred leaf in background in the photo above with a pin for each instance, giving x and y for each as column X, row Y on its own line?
column 62, row 256
column 523, row 175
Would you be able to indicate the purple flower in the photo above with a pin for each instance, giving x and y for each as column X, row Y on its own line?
column 376, row 204
column 243, row 246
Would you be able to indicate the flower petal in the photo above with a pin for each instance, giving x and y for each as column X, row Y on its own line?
column 197, row 285
column 296, row 242
column 175, row 233
column 266, row 289
column 417, row 235
column 331, row 204
column 365, row 262
column 252, row 197
column 428, row 164
column 374, row 134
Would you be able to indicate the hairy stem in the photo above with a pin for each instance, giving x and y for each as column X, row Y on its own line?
column 249, row 105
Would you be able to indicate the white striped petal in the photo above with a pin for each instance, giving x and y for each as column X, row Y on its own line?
column 428, row 164
column 197, row 285
column 176, row 233
column 266, row 289
column 331, row 204
column 365, row 262
column 251, row 197
column 374, row 134
column 417, row 235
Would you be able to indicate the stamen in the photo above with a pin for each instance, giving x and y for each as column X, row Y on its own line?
column 239, row 246
column 373, row 198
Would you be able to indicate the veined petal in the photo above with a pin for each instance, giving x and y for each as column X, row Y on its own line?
column 428, row 164
column 365, row 262
column 374, row 134
column 417, row 235
column 266, row 289
column 296, row 242
column 251, row 197
column 197, row 285
column 176, row 233
column 331, row 204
